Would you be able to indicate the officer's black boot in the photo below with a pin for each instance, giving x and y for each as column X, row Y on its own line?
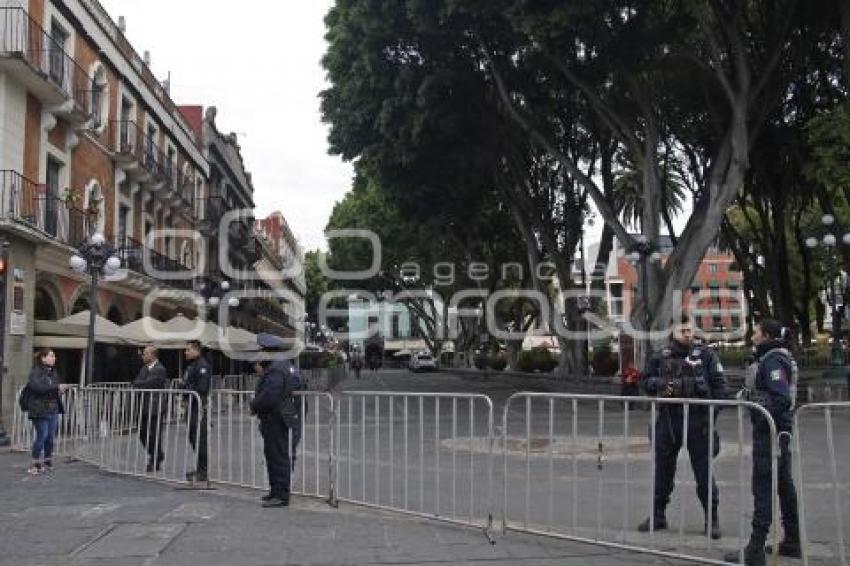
column 660, row 523
column 753, row 553
column 790, row 545
column 715, row 526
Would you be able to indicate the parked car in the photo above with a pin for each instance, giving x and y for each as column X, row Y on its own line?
column 422, row 362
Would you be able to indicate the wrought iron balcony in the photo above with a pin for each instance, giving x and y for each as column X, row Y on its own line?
column 132, row 253
column 31, row 204
column 35, row 58
column 136, row 152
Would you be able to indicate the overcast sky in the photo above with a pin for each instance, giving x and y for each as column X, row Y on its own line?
column 259, row 63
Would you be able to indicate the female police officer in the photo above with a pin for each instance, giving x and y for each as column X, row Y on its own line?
column 273, row 404
column 771, row 382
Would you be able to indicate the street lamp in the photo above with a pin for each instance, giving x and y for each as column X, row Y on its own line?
column 96, row 258
column 212, row 294
column 826, row 237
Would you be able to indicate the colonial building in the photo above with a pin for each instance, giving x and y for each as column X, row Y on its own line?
column 91, row 142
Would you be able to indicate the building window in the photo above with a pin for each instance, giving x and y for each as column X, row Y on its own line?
column 616, row 303
column 56, row 53
column 123, row 222
column 717, row 321
column 51, row 196
column 713, row 267
column 736, row 321
column 99, row 98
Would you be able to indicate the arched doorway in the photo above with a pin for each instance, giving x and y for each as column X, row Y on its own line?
column 80, row 305
column 45, row 307
column 115, row 315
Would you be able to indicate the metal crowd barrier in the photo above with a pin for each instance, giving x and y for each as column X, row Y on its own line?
column 236, row 447
column 828, row 490
column 391, row 455
column 121, row 423
column 578, row 453
column 67, row 434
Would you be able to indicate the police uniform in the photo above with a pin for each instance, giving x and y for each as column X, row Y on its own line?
column 771, row 382
column 687, row 372
column 197, row 377
column 278, row 413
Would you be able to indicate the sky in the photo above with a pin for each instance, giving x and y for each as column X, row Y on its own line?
column 258, row 62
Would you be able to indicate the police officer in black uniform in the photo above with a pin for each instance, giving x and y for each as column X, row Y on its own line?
column 197, row 377
column 771, row 382
column 684, row 370
column 279, row 413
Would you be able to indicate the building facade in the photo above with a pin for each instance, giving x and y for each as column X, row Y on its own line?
column 91, row 142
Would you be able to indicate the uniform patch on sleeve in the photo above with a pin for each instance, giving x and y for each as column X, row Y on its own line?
column 777, row 375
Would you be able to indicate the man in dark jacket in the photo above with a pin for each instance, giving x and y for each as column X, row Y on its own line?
column 275, row 406
column 771, row 382
column 151, row 378
column 684, row 370
column 197, row 377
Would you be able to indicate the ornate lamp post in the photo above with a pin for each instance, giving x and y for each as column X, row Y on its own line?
column 97, row 258
column 827, row 238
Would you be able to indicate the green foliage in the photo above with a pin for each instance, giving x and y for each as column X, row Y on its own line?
column 829, row 140
column 317, row 283
column 604, row 361
column 536, row 360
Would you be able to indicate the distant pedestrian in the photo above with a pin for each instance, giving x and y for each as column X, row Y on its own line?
column 43, row 405
column 279, row 414
column 771, row 382
column 197, row 377
column 356, row 362
column 152, row 378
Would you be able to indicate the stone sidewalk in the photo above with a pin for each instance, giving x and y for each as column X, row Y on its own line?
column 81, row 516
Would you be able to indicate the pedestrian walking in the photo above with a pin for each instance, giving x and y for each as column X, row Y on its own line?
column 684, row 370
column 152, row 378
column 43, row 403
column 279, row 416
column 197, row 377
column 356, row 362
column 771, row 382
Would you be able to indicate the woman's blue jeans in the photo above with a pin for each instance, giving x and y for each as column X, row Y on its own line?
column 45, row 431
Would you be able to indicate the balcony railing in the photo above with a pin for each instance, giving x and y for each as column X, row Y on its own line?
column 132, row 143
column 132, row 253
column 30, row 203
column 23, row 38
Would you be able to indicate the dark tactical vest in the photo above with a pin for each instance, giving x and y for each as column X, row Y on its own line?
column 679, row 375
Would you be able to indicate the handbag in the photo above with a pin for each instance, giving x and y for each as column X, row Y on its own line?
column 24, row 398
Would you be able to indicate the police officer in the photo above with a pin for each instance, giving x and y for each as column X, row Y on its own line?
column 197, row 377
column 275, row 406
column 684, row 370
column 771, row 382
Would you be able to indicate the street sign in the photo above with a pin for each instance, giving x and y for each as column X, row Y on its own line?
column 17, row 323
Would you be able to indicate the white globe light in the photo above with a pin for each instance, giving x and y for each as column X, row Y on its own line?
column 214, row 301
column 634, row 257
column 656, row 256
column 97, row 239
column 225, row 286
column 828, row 220
column 77, row 263
column 829, row 240
column 846, row 238
column 113, row 263
column 233, row 302
column 811, row 242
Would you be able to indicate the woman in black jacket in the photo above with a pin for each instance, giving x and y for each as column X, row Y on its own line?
column 43, row 408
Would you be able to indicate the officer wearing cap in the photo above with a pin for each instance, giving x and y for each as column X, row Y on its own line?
column 197, row 377
column 278, row 412
column 771, row 382
column 684, row 370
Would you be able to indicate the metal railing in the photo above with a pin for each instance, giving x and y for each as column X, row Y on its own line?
column 391, row 455
column 591, row 440
column 236, row 446
column 132, row 254
column 132, row 143
column 28, row 202
column 830, row 506
column 22, row 37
